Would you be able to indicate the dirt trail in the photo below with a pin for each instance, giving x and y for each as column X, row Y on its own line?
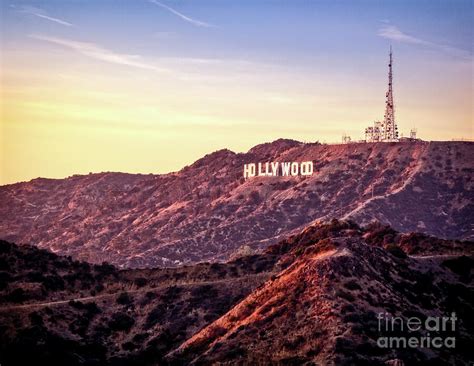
column 102, row 296
column 414, row 173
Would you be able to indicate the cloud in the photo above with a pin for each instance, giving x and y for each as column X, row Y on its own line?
column 40, row 14
column 97, row 52
column 393, row 33
column 195, row 22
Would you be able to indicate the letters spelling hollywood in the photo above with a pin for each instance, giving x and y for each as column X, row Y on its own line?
column 274, row 169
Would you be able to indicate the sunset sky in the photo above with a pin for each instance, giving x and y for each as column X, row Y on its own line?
column 150, row 86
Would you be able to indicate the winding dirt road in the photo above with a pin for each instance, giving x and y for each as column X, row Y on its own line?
column 102, row 296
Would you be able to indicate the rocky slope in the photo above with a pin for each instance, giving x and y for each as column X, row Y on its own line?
column 323, row 309
column 310, row 299
column 207, row 211
column 56, row 311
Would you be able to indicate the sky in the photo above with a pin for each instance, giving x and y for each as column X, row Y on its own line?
column 148, row 86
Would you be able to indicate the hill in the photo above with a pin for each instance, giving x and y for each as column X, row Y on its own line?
column 323, row 309
column 64, row 312
column 208, row 212
column 314, row 297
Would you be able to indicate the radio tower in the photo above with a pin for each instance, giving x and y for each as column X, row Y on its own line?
column 390, row 130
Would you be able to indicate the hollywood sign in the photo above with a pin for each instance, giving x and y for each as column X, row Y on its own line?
column 275, row 169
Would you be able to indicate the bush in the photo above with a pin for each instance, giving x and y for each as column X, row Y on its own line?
column 254, row 197
column 140, row 282
column 53, row 283
column 396, row 251
column 345, row 295
column 121, row 322
column 124, row 299
column 379, row 234
column 17, row 295
column 92, row 309
column 352, row 285
column 36, row 319
column 155, row 316
column 462, row 265
column 129, row 346
column 5, row 278
column 76, row 304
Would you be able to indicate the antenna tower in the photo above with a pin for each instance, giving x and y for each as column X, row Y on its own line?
column 390, row 130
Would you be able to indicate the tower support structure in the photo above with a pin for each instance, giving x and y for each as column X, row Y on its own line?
column 386, row 130
column 390, row 130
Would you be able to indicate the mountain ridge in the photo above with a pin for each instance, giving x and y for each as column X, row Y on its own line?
column 311, row 298
column 207, row 211
column 322, row 307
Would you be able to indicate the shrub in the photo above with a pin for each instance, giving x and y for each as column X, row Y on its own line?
column 379, row 234
column 395, row 250
column 140, row 282
column 345, row 295
column 36, row 319
column 461, row 265
column 121, row 322
column 150, row 295
column 352, row 285
column 92, row 309
column 254, row 197
column 129, row 346
column 76, row 304
column 124, row 299
column 155, row 316
column 17, row 295
column 5, row 278
column 53, row 283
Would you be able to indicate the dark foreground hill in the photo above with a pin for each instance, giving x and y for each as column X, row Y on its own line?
column 56, row 311
column 207, row 211
column 310, row 299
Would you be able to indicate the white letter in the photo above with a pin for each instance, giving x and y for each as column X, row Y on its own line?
column 437, row 342
column 382, row 342
column 285, row 169
column 380, row 317
column 453, row 319
column 416, row 322
column 434, row 328
column 260, row 170
column 413, row 342
column 452, row 342
column 267, row 168
column 275, row 169
column 394, row 319
column 294, row 169
column 307, row 168
column 249, row 170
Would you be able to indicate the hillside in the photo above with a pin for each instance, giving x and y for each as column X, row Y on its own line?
column 65, row 312
column 207, row 211
column 313, row 296
column 322, row 309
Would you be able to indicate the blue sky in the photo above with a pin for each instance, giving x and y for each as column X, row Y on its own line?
column 280, row 31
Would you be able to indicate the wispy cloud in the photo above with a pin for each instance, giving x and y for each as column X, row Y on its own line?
column 195, row 22
column 31, row 10
column 98, row 52
column 393, row 33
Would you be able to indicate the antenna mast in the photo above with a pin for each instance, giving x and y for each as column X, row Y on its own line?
column 390, row 130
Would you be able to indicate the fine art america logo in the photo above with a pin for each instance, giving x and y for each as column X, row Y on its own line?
column 414, row 332
column 276, row 168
